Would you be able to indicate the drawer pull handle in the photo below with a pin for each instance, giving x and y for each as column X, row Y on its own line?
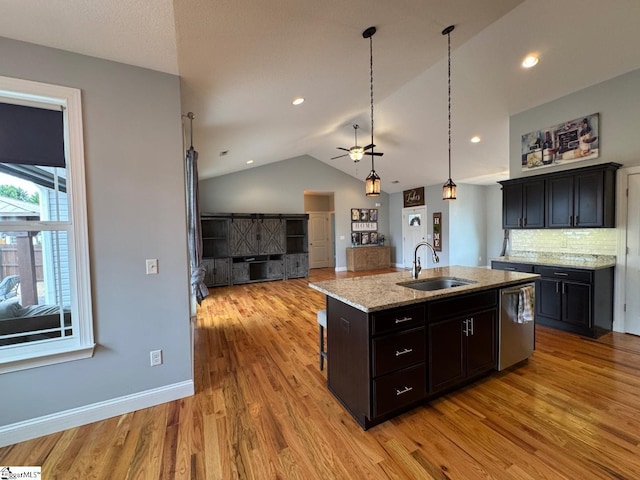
column 403, row 391
column 403, row 352
column 402, row 320
column 561, row 274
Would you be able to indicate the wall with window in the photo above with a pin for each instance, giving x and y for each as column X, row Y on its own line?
column 136, row 210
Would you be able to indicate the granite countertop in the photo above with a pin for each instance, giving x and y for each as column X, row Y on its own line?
column 588, row 262
column 378, row 292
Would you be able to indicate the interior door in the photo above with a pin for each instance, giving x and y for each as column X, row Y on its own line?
column 320, row 246
column 414, row 230
column 632, row 271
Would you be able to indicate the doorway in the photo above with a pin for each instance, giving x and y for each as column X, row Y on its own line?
column 320, row 244
column 414, row 230
column 631, row 254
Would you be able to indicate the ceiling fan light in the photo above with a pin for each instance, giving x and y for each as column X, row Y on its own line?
column 356, row 153
column 449, row 190
column 372, row 184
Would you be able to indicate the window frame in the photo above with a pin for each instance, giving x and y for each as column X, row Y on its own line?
column 81, row 345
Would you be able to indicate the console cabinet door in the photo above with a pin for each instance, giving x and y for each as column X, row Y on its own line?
column 243, row 237
column 271, row 236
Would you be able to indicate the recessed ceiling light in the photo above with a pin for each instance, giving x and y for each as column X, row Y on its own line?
column 298, row 101
column 475, row 139
column 530, row 61
column 249, row 162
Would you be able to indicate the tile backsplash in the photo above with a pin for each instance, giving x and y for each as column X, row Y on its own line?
column 583, row 241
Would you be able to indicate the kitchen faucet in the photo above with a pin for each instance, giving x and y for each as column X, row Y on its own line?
column 415, row 270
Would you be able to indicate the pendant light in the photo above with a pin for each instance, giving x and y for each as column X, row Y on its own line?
column 372, row 183
column 449, row 188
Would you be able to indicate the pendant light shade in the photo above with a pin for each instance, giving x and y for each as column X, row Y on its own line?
column 449, row 188
column 372, row 182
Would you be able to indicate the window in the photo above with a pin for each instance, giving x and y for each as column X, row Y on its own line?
column 45, row 302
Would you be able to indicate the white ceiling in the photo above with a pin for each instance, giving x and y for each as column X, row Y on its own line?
column 242, row 62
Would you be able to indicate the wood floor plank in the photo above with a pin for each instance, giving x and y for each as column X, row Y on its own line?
column 262, row 411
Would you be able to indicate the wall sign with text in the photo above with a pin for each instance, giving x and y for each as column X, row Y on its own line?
column 364, row 226
column 437, row 231
column 413, row 197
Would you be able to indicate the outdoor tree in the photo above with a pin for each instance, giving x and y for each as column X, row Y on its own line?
column 11, row 191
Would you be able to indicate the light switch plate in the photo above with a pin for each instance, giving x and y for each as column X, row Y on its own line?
column 152, row 266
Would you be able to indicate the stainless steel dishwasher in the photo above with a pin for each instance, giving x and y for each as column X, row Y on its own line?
column 516, row 340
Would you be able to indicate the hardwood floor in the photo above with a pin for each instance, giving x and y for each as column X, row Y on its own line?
column 262, row 411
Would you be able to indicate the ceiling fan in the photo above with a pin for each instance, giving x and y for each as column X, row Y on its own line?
column 356, row 152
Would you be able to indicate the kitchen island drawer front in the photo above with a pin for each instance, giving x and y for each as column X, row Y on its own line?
column 394, row 352
column 512, row 266
column 460, row 305
column 559, row 273
column 397, row 390
column 396, row 319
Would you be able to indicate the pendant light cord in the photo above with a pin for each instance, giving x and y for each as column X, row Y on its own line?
column 371, row 89
column 449, row 93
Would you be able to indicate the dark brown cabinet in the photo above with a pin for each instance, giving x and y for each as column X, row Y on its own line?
column 583, row 199
column 523, row 204
column 576, row 300
column 579, row 198
column 512, row 266
column 383, row 363
column 461, row 347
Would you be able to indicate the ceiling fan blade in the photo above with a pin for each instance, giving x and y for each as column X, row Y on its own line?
column 375, row 154
column 371, row 145
column 339, row 156
column 345, row 149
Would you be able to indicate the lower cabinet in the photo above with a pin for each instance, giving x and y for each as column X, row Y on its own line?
column 217, row 271
column 575, row 300
column 464, row 346
column 257, row 268
column 382, row 363
column 297, row 265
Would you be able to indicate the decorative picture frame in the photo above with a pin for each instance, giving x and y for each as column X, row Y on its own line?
column 364, row 226
column 571, row 141
column 437, row 231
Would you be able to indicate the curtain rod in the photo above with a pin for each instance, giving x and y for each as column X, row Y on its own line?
column 190, row 116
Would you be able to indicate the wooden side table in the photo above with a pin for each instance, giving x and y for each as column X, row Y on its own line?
column 368, row 258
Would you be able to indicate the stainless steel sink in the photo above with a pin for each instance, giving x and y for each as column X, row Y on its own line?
column 437, row 283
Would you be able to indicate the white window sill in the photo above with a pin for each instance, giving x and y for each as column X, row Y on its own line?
column 14, row 363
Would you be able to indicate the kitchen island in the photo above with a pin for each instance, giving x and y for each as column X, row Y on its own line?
column 391, row 347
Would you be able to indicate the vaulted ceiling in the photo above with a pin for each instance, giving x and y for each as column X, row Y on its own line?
column 243, row 62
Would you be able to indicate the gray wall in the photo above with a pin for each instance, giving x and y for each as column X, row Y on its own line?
column 262, row 190
column 471, row 225
column 618, row 103
column 135, row 190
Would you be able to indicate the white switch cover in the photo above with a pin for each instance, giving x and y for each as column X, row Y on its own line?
column 341, row 237
column 156, row 357
column 152, row 266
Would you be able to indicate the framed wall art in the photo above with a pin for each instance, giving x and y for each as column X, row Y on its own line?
column 364, row 226
column 570, row 141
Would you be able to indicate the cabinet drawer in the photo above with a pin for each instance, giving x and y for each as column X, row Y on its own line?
column 565, row 274
column 396, row 319
column 399, row 389
column 394, row 352
column 461, row 305
column 512, row 267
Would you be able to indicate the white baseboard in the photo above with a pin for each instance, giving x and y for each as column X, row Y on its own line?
column 37, row 427
column 341, row 269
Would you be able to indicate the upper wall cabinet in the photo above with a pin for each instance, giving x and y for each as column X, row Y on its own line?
column 579, row 198
column 523, row 204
